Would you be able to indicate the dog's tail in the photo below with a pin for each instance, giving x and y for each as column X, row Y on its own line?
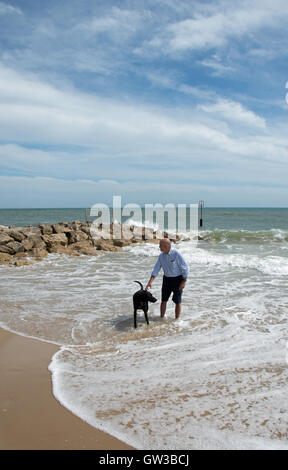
column 140, row 284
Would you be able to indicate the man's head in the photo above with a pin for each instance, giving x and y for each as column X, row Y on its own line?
column 165, row 245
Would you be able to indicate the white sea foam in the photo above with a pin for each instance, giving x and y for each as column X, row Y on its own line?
column 190, row 387
column 199, row 256
column 217, row 377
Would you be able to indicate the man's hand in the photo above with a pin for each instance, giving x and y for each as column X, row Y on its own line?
column 149, row 285
column 182, row 285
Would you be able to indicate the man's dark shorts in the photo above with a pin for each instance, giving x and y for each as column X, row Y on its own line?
column 171, row 284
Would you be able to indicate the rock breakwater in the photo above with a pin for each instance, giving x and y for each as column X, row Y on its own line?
column 25, row 245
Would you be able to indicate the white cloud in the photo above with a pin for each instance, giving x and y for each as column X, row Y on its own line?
column 198, row 33
column 216, row 142
column 160, row 79
column 5, row 8
column 212, row 27
column 234, row 111
column 52, row 192
column 17, row 157
column 107, row 182
column 33, row 110
column 218, row 68
column 163, row 80
column 118, row 130
column 119, row 22
column 199, row 93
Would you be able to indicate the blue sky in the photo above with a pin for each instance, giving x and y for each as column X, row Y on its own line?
column 156, row 100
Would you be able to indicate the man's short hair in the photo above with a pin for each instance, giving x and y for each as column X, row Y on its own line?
column 165, row 241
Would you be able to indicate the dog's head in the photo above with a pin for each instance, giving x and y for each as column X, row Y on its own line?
column 144, row 295
column 150, row 297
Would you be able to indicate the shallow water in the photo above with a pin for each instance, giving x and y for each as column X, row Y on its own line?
column 214, row 379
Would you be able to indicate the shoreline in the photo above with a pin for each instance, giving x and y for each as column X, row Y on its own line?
column 30, row 416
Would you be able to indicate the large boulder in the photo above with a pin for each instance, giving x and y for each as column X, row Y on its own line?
column 77, row 236
column 106, row 245
column 16, row 234
column 100, row 231
column 127, row 233
column 38, row 253
column 28, row 243
column 76, row 225
column 17, row 247
column 61, row 228
column 54, row 241
column 61, row 249
column 23, row 262
column 86, row 228
column 46, row 229
column 7, row 249
column 148, row 233
column 85, row 247
column 137, row 231
column 121, row 242
column 33, row 241
column 28, row 231
column 89, row 251
column 158, row 235
column 5, row 238
column 5, row 258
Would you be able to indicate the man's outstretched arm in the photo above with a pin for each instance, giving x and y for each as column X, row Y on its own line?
column 149, row 285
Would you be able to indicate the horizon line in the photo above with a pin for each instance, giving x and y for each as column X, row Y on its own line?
column 143, row 207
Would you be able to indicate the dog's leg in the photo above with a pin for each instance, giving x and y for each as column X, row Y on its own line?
column 146, row 315
column 135, row 318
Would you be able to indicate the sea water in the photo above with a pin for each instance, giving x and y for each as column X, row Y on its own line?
column 214, row 379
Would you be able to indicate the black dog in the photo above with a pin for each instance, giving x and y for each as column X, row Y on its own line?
column 140, row 301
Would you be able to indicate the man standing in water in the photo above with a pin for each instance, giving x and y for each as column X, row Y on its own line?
column 175, row 271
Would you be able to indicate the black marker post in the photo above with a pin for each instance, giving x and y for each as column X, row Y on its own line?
column 201, row 205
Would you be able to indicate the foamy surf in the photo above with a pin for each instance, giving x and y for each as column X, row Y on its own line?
column 208, row 400
column 217, row 377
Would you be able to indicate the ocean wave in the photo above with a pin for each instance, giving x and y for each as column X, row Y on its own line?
column 202, row 392
column 245, row 236
column 271, row 265
column 225, row 236
column 225, row 357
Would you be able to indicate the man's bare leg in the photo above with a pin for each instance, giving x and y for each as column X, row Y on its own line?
column 162, row 309
column 177, row 310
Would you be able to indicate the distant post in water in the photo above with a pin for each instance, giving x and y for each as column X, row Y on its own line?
column 201, row 205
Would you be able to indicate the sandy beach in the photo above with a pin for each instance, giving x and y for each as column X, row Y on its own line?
column 31, row 418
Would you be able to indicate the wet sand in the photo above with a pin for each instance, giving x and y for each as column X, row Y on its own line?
column 30, row 417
